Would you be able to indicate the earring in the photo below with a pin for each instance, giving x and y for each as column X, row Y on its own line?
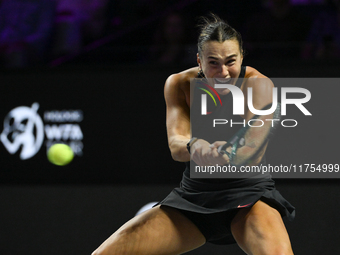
column 200, row 73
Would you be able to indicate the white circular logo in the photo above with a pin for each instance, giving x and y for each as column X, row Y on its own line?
column 23, row 127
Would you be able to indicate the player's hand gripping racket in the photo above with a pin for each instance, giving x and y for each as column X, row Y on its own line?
column 245, row 145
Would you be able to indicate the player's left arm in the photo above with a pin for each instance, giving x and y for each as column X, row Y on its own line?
column 262, row 96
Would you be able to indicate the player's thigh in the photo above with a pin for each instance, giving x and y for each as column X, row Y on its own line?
column 160, row 230
column 260, row 230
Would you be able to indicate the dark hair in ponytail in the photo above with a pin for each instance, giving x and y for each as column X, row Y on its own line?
column 212, row 28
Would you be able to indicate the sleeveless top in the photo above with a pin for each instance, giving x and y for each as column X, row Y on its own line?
column 206, row 196
column 202, row 128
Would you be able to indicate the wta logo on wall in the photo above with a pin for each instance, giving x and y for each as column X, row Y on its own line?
column 24, row 128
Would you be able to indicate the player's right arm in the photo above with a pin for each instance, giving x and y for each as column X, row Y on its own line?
column 177, row 116
column 177, row 98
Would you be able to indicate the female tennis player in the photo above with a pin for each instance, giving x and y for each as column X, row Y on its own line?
column 247, row 211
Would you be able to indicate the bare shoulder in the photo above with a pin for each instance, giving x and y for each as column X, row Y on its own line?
column 178, row 84
column 253, row 73
column 257, row 80
column 182, row 78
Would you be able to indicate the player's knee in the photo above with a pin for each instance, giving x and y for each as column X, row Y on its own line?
column 96, row 252
column 106, row 252
column 99, row 252
column 110, row 249
column 105, row 249
column 121, row 242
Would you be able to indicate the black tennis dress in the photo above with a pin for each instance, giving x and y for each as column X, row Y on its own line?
column 211, row 204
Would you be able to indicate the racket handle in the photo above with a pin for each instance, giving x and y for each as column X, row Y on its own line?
column 222, row 149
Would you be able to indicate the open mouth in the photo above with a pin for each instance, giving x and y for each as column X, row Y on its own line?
column 222, row 80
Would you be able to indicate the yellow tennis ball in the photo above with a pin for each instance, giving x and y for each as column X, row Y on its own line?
column 60, row 154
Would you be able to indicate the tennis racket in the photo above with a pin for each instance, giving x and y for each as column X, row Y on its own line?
column 245, row 145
